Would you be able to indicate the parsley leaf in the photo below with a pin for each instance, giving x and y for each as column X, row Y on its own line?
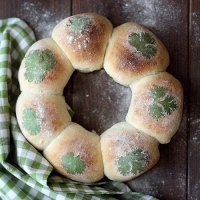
column 144, row 43
column 73, row 164
column 163, row 103
column 30, row 121
column 133, row 162
column 37, row 63
column 78, row 23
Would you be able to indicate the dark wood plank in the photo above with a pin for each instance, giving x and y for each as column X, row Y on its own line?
column 98, row 101
column 167, row 19
column 42, row 16
column 194, row 125
column 193, row 153
column 194, row 52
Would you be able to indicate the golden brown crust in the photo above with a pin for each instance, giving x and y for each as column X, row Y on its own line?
column 120, row 140
column 86, row 49
column 51, row 113
column 83, row 144
column 55, row 79
column 139, row 116
column 124, row 63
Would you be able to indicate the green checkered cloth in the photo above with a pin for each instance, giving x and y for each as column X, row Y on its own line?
column 24, row 172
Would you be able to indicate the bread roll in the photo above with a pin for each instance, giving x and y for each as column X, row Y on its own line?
column 156, row 106
column 134, row 52
column 45, row 69
column 127, row 153
column 41, row 118
column 76, row 154
column 84, row 38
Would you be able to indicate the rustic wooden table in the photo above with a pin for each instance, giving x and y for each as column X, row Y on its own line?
column 99, row 102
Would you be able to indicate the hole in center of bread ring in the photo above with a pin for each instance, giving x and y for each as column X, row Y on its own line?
column 98, row 101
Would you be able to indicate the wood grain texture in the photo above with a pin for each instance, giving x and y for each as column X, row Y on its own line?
column 194, row 115
column 99, row 102
column 194, row 52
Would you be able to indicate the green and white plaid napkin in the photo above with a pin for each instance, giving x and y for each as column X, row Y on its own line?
column 24, row 172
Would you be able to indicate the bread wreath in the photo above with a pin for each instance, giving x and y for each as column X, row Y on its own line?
column 133, row 56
